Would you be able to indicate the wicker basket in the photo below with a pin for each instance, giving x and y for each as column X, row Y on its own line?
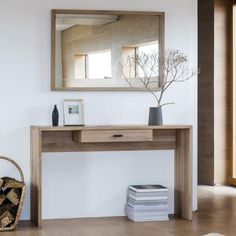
column 20, row 205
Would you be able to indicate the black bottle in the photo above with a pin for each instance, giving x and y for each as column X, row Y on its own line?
column 55, row 116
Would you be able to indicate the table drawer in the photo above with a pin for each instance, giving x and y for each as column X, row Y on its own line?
column 95, row 136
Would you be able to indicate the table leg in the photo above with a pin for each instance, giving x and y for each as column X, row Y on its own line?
column 36, row 177
column 183, row 173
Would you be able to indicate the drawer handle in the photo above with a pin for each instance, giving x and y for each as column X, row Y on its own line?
column 117, row 135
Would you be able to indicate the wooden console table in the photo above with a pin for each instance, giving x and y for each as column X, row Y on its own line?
column 114, row 138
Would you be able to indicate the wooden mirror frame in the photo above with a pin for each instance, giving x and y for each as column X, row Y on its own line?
column 54, row 12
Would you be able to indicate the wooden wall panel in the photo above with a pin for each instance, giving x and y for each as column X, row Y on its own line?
column 213, row 96
column 206, row 92
column 221, row 87
column 233, row 98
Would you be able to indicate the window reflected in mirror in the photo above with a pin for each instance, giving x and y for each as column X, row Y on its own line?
column 96, row 65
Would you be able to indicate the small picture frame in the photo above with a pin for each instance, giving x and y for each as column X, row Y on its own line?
column 73, row 112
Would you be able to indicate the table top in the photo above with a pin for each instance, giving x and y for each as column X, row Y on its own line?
column 111, row 127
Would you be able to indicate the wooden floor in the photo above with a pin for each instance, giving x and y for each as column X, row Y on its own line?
column 217, row 213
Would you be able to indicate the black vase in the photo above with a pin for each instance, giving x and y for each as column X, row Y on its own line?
column 55, row 116
column 155, row 116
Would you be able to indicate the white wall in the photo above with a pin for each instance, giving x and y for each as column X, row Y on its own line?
column 97, row 182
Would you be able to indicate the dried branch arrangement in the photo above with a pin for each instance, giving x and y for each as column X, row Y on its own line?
column 157, row 72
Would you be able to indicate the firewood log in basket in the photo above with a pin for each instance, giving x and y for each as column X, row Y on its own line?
column 12, row 194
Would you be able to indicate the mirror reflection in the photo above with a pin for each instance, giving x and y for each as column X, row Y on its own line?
column 90, row 48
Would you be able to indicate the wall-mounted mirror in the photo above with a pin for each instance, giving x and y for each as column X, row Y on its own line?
column 88, row 47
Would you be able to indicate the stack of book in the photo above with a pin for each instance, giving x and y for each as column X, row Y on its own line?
column 147, row 203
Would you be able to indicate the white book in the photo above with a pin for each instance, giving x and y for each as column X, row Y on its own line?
column 147, row 203
column 146, row 198
column 148, row 207
column 149, row 214
column 147, row 188
column 153, row 193
column 147, row 218
column 145, row 213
